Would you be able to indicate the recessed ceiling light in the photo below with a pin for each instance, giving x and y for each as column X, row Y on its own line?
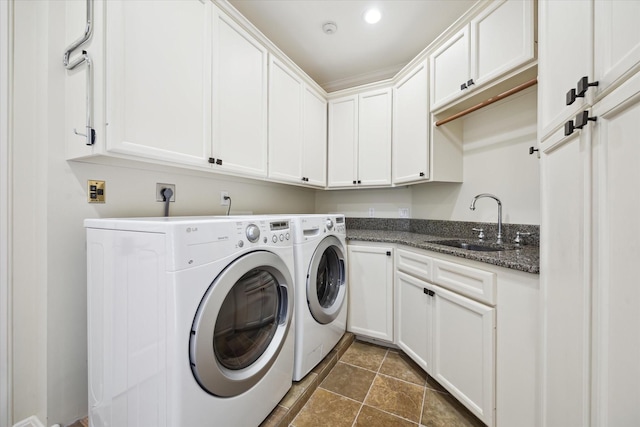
column 372, row 16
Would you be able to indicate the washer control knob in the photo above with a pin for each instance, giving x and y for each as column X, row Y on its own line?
column 281, row 238
column 329, row 223
column 274, row 239
column 288, row 236
column 253, row 233
column 240, row 243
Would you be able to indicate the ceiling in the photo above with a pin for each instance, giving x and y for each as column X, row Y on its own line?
column 357, row 53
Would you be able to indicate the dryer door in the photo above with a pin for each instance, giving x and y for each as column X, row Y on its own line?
column 241, row 324
column 326, row 281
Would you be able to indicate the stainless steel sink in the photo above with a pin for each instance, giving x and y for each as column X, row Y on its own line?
column 461, row 244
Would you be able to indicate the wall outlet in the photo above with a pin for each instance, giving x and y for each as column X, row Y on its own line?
column 372, row 212
column 403, row 212
column 223, row 201
column 160, row 187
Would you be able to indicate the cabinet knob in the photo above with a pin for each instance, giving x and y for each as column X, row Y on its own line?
column 428, row 292
column 421, row 173
column 532, row 150
column 354, row 181
column 388, row 253
column 581, row 88
column 359, row 182
column 568, row 128
column 470, row 82
column 211, row 160
column 218, row 161
column 463, row 86
column 582, row 119
column 583, row 85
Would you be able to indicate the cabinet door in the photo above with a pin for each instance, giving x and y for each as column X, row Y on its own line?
column 565, row 278
column 565, row 55
column 411, row 127
column 314, row 155
column 343, row 142
column 501, row 39
column 464, row 351
column 414, row 311
column 371, row 292
column 616, row 294
column 449, row 69
column 158, row 91
column 285, row 123
column 374, row 138
column 617, row 40
column 239, row 99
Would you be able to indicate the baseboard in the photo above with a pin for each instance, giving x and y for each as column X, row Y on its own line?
column 32, row 421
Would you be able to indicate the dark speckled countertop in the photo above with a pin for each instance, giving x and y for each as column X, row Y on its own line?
column 524, row 258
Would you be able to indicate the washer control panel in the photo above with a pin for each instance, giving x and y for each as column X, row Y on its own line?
column 264, row 232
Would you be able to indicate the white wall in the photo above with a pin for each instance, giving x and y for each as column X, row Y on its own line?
column 496, row 160
column 50, row 204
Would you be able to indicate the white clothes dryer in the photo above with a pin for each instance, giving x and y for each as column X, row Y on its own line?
column 190, row 320
column 320, row 254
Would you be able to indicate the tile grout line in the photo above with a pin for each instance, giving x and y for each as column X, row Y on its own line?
column 370, row 387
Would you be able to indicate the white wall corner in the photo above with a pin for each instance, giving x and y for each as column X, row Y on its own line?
column 32, row 421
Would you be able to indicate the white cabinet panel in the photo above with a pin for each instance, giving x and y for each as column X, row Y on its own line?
column 314, row 156
column 371, row 291
column 565, row 278
column 414, row 319
column 616, row 294
column 616, row 39
column 565, row 55
column 501, row 39
column 411, row 127
column 374, row 138
column 158, row 91
column 239, row 100
column 450, row 68
column 464, row 351
column 343, row 142
column 285, row 123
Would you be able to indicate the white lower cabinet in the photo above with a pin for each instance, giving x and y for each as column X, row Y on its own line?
column 464, row 351
column 475, row 329
column 371, row 291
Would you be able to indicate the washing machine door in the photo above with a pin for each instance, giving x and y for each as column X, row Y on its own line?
column 241, row 324
column 326, row 281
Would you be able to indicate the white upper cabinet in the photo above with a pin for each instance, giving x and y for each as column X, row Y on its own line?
column 565, row 52
column 286, row 92
column 314, row 155
column 411, row 127
column 343, row 142
column 360, row 140
column 599, row 40
column 239, row 81
column 297, row 128
column 450, row 69
column 497, row 41
column 374, row 138
column 158, row 96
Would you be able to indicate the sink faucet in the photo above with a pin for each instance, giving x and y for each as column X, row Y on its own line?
column 473, row 208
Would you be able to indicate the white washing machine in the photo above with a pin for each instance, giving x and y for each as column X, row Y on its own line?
column 320, row 253
column 190, row 320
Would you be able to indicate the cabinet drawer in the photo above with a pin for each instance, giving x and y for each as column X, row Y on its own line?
column 415, row 264
column 472, row 282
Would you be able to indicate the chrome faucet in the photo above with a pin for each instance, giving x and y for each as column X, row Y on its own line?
column 473, row 208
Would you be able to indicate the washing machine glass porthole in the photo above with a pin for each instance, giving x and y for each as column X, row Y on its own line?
column 248, row 320
column 328, row 280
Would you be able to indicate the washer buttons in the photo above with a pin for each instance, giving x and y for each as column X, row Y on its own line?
column 240, row 243
column 281, row 238
column 274, row 239
column 287, row 236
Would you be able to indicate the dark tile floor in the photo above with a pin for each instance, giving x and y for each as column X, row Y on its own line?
column 360, row 384
column 377, row 386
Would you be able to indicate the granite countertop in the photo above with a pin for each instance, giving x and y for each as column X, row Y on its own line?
column 524, row 258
